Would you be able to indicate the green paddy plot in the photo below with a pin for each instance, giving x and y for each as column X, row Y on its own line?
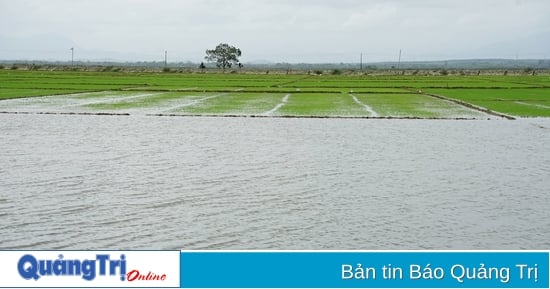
column 532, row 102
column 9, row 93
column 323, row 104
column 19, row 84
column 210, row 82
column 75, row 102
column 417, row 82
column 147, row 100
column 233, row 104
column 415, row 105
column 534, row 81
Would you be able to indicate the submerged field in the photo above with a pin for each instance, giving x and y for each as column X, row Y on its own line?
column 275, row 95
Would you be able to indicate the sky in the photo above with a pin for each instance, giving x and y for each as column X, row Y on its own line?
column 295, row 31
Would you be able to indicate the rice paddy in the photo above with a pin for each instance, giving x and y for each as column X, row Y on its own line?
column 523, row 102
column 275, row 95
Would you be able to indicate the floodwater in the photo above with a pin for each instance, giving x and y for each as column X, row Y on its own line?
column 138, row 182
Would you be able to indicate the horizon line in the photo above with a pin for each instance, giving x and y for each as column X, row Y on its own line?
column 268, row 62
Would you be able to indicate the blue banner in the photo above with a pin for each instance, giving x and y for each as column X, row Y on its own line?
column 359, row 269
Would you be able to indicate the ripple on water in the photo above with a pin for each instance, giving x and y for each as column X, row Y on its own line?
column 99, row 182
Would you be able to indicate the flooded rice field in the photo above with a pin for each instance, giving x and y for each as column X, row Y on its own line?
column 238, row 103
column 143, row 182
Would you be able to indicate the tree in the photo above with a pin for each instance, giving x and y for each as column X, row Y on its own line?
column 224, row 55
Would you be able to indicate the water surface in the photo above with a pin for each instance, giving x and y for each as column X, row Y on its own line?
column 138, row 182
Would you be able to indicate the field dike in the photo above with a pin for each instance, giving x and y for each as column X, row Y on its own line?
column 276, row 108
column 237, row 115
column 65, row 113
column 367, row 108
column 312, row 116
column 462, row 103
column 471, row 106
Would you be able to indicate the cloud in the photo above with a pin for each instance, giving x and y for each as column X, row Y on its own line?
column 375, row 16
column 278, row 30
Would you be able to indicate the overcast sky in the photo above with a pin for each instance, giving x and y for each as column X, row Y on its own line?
column 275, row 30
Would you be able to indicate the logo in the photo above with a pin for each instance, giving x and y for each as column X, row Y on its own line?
column 31, row 268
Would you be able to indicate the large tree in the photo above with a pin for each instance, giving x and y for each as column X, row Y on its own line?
column 224, row 55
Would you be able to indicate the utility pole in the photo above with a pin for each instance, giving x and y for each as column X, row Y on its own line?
column 165, row 58
column 399, row 60
column 72, row 56
column 361, row 62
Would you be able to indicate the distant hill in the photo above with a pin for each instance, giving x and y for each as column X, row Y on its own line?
column 467, row 64
column 470, row 64
column 441, row 64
